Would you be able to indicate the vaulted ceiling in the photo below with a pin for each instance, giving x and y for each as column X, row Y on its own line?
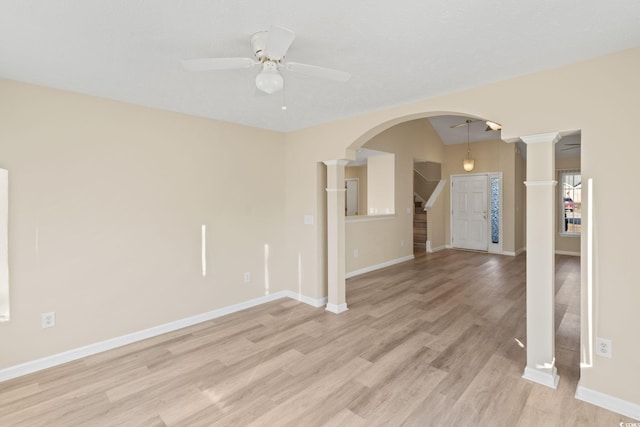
column 396, row 51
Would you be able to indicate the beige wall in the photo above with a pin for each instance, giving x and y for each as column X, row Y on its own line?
column 599, row 98
column 106, row 206
column 566, row 244
column 381, row 171
column 391, row 238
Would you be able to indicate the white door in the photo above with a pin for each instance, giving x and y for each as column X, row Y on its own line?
column 351, row 203
column 469, row 212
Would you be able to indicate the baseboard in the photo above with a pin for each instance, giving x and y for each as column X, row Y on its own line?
column 436, row 249
column 378, row 266
column 314, row 302
column 110, row 344
column 622, row 407
column 549, row 379
column 513, row 253
column 570, row 253
column 337, row 309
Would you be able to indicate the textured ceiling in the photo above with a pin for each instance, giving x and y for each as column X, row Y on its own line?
column 396, row 51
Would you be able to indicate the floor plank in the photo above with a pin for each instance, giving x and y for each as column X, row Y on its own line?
column 430, row 342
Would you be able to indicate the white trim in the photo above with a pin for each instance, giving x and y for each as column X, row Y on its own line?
column 336, row 190
column 546, row 378
column 102, row 346
column 541, row 137
column 436, row 249
column 551, row 183
column 340, row 162
column 314, row 302
column 365, row 218
column 378, row 266
column 435, row 194
column 512, row 253
column 570, row 253
column 615, row 404
column 337, row 309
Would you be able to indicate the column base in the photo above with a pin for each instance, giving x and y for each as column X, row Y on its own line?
column 337, row 309
column 547, row 377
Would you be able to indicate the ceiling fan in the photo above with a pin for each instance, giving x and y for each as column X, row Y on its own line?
column 490, row 125
column 269, row 49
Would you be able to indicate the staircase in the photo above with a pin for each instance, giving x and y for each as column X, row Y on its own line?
column 419, row 227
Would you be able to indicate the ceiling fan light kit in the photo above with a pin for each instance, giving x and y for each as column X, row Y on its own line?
column 269, row 48
column 269, row 80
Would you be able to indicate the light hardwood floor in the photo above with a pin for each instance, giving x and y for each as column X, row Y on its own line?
column 430, row 342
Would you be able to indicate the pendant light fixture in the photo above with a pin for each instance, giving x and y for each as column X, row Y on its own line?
column 468, row 163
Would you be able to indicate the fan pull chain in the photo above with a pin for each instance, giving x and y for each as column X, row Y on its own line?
column 284, row 104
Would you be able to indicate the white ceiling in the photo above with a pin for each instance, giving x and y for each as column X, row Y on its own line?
column 396, row 51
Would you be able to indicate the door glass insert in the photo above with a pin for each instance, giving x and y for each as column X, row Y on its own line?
column 495, row 210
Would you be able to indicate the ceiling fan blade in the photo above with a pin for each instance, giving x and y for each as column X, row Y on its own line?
column 321, row 72
column 577, row 144
column 278, row 41
column 466, row 123
column 204, row 64
column 570, row 148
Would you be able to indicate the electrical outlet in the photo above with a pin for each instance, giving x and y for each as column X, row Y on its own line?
column 356, row 253
column 247, row 277
column 402, row 243
column 604, row 347
column 48, row 320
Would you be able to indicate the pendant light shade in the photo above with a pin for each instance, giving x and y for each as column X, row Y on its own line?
column 468, row 164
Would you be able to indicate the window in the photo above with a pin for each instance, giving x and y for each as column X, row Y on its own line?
column 570, row 189
column 495, row 210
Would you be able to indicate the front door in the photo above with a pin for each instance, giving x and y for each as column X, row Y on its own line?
column 469, row 212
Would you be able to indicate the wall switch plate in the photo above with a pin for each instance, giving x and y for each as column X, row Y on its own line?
column 48, row 320
column 247, row 277
column 356, row 253
column 604, row 347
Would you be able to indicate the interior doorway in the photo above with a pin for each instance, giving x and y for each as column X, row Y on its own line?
column 352, row 202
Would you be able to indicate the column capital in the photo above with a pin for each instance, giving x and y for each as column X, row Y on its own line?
column 339, row 162
column 552, row 137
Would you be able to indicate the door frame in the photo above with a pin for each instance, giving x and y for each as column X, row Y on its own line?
column 491, row 247
column 346, row 204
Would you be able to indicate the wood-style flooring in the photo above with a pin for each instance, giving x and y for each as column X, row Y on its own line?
column 430, row 342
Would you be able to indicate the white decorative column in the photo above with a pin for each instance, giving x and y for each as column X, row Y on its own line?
column 541, row 219
column 337, row 299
